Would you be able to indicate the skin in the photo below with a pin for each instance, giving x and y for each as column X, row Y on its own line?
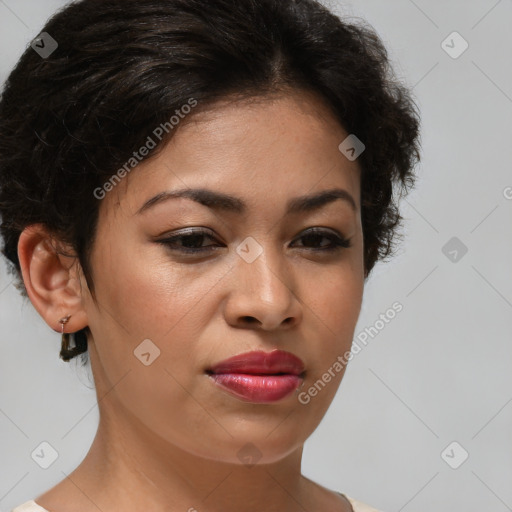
column 168, row 437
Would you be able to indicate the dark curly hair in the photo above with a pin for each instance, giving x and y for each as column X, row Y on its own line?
column 123, row 67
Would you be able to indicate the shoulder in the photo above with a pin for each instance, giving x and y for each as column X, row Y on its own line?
column 29, row 506
column 359, row 506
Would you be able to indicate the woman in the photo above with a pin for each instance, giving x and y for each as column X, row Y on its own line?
column 194, row 194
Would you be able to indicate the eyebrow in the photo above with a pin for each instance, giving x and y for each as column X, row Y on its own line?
column 219, row 201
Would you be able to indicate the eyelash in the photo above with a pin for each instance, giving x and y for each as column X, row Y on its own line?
column 337, row 243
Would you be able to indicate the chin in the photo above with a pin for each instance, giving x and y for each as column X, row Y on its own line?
column 256, row 446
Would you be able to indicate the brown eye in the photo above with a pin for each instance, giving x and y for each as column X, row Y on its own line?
column 315, row 236
column 190, row 241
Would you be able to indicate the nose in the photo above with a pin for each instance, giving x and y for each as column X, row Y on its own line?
column 263, row 294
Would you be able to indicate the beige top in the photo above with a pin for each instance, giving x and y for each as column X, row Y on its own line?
column 32, row 506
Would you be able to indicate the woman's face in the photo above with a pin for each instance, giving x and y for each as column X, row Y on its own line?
column 261, row 281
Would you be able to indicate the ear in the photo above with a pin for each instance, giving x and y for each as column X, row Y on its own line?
column 52, row 279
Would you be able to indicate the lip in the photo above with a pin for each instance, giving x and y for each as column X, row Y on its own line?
column 259, row 377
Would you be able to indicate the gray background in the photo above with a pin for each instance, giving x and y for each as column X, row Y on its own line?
column 439, row 372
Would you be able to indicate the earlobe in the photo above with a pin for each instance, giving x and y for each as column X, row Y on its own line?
column 51, row 279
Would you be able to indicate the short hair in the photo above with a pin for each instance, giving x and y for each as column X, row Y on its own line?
column 124, row 67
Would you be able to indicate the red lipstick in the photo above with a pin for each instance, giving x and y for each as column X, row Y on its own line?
column 259, row 377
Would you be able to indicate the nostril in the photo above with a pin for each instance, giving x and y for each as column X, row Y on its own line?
column 249, row 319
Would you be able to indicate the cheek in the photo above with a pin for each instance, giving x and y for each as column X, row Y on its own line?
column 150, row 300
column 334, row 299
column 332, row 312
column 150, row 294
column 152, row 297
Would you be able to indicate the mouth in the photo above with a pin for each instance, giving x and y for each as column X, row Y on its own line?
column 259, row 377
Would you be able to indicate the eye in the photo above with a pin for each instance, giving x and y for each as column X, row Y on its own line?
column 192, row 241
column 315, row 235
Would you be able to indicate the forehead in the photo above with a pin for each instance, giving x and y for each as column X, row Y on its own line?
column 251, row 146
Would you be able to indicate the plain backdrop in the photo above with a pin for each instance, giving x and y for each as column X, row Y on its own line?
column 422, row 420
